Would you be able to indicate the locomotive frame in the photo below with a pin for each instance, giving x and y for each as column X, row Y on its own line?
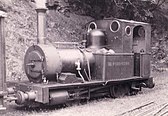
column 114, row 56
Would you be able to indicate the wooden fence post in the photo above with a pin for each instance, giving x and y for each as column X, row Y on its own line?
column 2, row 62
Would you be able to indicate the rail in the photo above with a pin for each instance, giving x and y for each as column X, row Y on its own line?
column 148, row 109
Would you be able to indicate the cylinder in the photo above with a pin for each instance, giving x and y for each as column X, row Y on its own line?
column 58, row 97
column 45, row 60
column 2, row 60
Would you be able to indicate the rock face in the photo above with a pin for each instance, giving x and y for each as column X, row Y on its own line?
column 20, row 31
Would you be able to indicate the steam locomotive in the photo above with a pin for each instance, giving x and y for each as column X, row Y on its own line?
column 113, row 59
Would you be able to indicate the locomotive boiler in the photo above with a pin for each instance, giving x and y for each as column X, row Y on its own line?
column 113, row 59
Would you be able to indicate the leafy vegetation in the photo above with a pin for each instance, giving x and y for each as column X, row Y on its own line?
column 150, row 11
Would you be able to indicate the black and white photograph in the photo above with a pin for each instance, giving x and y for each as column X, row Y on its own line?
column 83, row 57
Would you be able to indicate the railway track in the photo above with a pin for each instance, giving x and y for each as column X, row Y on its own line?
column 148, row 109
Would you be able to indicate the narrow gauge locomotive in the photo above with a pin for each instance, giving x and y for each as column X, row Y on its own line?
column 113, row 59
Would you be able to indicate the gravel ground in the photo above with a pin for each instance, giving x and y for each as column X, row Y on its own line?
column 148, row 102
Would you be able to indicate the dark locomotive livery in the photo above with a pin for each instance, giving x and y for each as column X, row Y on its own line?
column 113, row 59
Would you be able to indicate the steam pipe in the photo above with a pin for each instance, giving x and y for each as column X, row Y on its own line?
column 2, row 60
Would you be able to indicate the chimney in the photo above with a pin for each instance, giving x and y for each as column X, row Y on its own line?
column 2, row 62
column 41, row 21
